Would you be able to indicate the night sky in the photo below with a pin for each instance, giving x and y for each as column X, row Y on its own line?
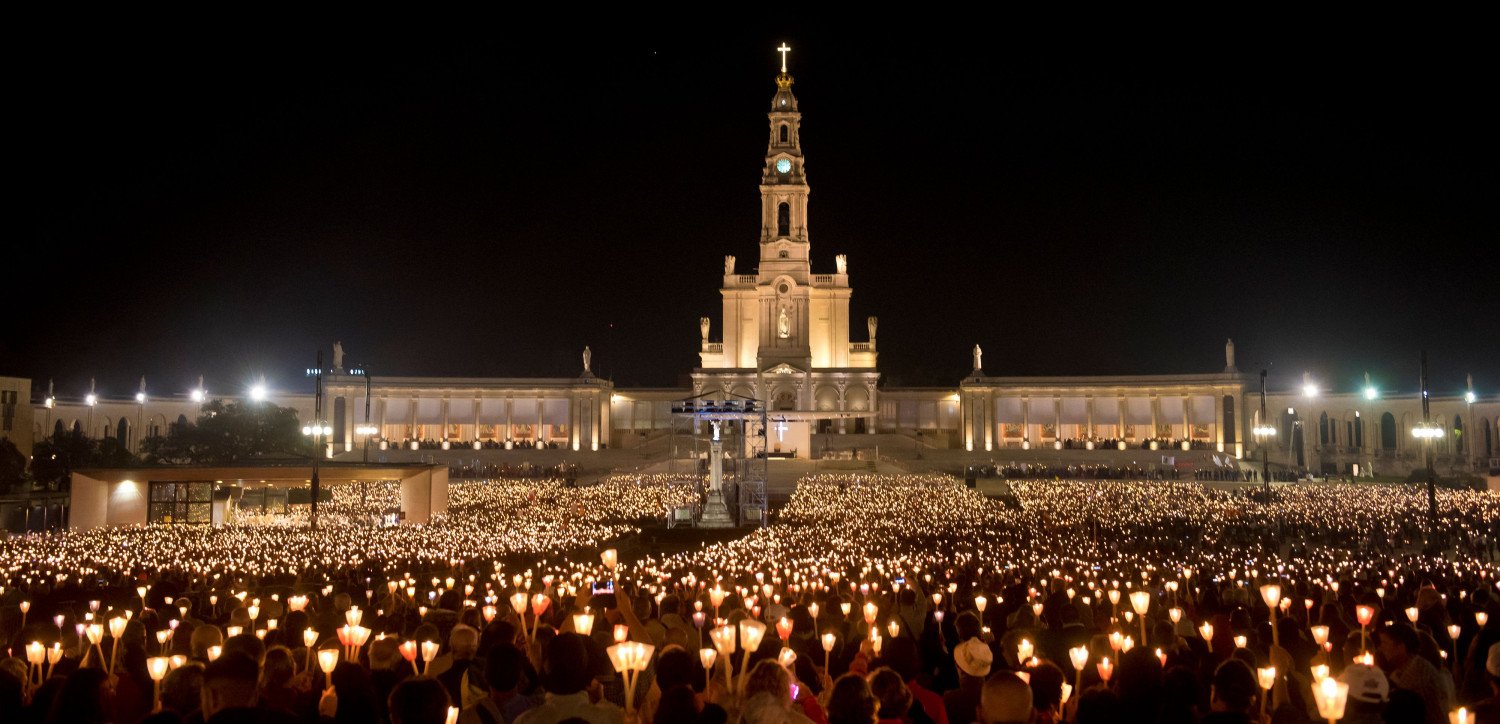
column 483, row 205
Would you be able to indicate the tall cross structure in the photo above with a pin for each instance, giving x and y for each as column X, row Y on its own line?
column 784, row 49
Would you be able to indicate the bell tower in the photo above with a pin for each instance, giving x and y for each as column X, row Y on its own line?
column 783, row 186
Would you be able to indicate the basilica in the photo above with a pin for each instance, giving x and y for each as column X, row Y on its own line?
column 784, row 339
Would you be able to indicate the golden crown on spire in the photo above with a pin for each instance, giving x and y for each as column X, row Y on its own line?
column 784, row 81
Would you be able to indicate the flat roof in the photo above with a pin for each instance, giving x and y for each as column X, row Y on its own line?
column 299, row 473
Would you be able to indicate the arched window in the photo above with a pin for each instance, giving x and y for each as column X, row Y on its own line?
column 784, row 219
column 1458, row 434
column 57, row 429
column 783, row 133
column 1387, row 431
column 1323, row 429
column 1489, row 441
column 122, row 431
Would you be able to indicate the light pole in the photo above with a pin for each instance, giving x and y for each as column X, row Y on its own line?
column 1428, row 433
column 317, row 430
column 1264, row 431
column 366, row 429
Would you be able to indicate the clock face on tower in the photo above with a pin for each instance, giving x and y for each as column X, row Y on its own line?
column 783, row 166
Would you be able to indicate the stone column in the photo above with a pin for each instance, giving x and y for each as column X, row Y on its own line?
column 1057, row 420
column 573, row 438
column 843, row 406
column 446, row 426
column 989, row 421
column 1026, row 422
column 510, row 432
column 413, row 429
column 1219, row 420
column 540, row 410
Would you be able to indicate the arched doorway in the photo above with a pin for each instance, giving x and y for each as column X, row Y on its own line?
column 1388, row 431
column 122, row 432
column 1459, row 444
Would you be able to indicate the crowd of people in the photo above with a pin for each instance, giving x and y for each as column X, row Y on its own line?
column 872, row 597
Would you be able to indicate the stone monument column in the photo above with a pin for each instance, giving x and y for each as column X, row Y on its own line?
column 715, row 512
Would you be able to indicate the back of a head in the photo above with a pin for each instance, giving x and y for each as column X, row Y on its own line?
column 767, row 676
column 1046, row 686
column 901, row 654
column 278, row 667
column 232, row 680
column 1234, row 686
column 851, row 702
column 81, row 699
column 182, row 690
column 246, row 644
column 1005, row 699
column 565, row 665
column 385, row 654
column 418, row 700
column 968, row 625
column 763, row 708
column 678, row 704
column 676, row 667
column 205, row 636
column 464, row 642
column 1097, row 705
column 503, row 668
column 889, row 688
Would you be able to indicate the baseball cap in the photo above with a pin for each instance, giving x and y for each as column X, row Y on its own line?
column 1366, row 683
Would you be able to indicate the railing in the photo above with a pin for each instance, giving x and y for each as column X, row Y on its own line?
column 822, row 279
column 714, row 348
column 747, row 279
column 861, row 347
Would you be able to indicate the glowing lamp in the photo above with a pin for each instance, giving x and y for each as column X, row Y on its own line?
column 157, row 667
column 1079, row 655
column 1330, row 695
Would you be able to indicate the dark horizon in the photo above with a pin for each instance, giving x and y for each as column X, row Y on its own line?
column 487, row 207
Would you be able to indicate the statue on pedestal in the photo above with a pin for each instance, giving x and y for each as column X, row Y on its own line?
column 978, row 353
column 729, row 265
column 703, row 323
column 1229, row 357
column 842, row 262
column 338, row 357
column 588, row 359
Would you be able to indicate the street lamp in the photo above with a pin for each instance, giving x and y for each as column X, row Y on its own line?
column 1264, row 431
column 199, row 394
column 1370, row 392
column 318, row 430
column 258, row 392
column 1429, row 434
column 1309, row 388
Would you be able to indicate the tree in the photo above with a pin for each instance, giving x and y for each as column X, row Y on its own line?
column 55, row 458
column 229, row 433
column 12, row 466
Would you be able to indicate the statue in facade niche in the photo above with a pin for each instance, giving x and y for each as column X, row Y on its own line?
column 703, row 323
column 783, row 325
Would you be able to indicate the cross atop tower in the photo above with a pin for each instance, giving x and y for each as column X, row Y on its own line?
column 784, row 49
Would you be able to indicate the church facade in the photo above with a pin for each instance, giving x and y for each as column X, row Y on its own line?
column 784, row 330
column 784, row 337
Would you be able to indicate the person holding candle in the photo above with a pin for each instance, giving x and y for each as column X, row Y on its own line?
column 1234, row 695
column 1368, row 694
column 973, row 658
column 566, row 674
column 1397, row 655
